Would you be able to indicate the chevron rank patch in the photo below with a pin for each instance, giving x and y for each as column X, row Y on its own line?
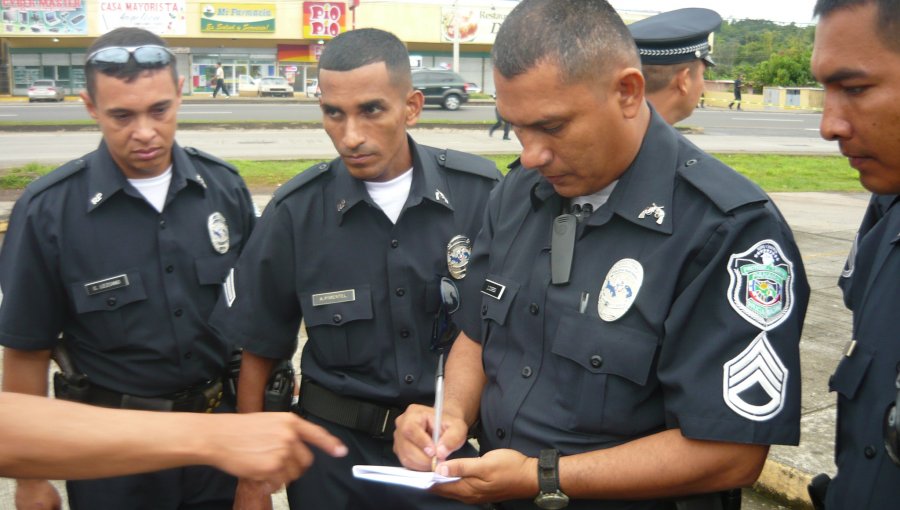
column 228, row 288
column 762, row 285
column 754, row 382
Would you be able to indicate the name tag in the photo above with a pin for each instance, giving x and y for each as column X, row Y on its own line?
column 112, row 283
column 493, row 289
column 330, row 298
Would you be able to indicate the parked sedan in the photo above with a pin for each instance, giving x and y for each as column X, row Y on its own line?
column 45, row 90
column 275, row 86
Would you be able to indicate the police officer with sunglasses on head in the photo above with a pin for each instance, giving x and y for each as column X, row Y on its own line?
column 357, row 248
column 119, row 257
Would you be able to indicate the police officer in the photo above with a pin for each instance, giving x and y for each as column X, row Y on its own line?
column 674, row 49
column 638, row 354
column 357, row 248
column 856, row 56
column 123, row 253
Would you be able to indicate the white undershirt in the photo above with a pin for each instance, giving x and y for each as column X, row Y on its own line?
column 596, row 199
column 154, row 189
column 391, row 195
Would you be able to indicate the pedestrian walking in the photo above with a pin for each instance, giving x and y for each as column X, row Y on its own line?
column 500, row 122
column 738, row 82
column 220, row 81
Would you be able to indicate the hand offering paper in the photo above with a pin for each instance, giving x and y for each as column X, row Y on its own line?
column 401, row 476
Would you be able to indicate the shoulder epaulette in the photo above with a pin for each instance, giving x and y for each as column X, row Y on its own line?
column 60, row 174
column 300, row 180
column 469, row 163
column 193, row 151
column 721, row 184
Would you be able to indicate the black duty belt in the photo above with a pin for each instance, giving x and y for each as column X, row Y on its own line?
column 200, row 398
column 373, row 419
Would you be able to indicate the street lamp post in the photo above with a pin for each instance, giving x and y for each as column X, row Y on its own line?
column 455, row 37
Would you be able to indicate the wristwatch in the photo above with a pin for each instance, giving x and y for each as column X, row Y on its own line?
column 550, row 497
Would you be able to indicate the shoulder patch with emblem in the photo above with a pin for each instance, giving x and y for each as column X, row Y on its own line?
column 755, row 381
column 761, row 289
column 302, row 179
column 469, row 163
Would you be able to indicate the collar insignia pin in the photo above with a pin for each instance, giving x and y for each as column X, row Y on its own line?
column 201, row 181
column 656, row 211
column 439, row 196
column 96, row 198
column 341, row 205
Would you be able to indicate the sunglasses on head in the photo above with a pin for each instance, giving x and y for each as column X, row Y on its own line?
column 147, row 56
column 443, row 330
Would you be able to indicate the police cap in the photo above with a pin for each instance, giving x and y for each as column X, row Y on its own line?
column 676, row 36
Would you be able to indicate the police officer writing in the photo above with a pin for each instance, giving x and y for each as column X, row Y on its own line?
column 359, row 248
column 47, row 438
column 642, row 353
column 674, row 49
column 856, row 56
column 122, row 254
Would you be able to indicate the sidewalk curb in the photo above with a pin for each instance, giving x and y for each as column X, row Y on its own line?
column 785, row 484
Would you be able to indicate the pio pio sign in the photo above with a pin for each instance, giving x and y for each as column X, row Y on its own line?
column 324, row 20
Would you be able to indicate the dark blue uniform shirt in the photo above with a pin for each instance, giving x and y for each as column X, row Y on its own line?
column 693, row 297
column 130, row 289
column 368, row 289
column 864, row 379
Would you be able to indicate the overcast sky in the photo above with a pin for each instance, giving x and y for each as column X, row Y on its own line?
column 787, row 11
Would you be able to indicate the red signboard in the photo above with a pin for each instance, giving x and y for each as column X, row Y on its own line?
column 324, row 20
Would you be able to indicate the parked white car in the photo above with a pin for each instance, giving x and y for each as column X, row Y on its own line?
column 45, row 90
column 312, row 88
column 275, row 86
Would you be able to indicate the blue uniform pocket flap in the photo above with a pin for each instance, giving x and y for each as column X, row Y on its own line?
column 603, row 348
column 336, row 307
column 850, row 372
column 107, row 293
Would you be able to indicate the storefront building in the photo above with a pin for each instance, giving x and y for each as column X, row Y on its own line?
column 42, row 39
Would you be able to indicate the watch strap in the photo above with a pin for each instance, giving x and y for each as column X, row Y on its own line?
column 548, row 471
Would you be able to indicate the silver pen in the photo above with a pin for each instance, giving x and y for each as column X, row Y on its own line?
column 438, row 407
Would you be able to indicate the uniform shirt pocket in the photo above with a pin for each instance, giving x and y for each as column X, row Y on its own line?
column 101, row 305
column 339, row 325
column 214, row 270
column 850, row 372
column 605, row 368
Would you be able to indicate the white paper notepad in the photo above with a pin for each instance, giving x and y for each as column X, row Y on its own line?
column 401, row 476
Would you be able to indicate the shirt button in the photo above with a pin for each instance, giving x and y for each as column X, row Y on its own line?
column 596, row 361
column 169, row 269
column 400, row 292
column 501, row 433
column 869, row 452
column 179, row 312
column 395, row 243
column 404, row 333
column 526, row 372
column 534, row 309
column 337, row 318
column 483, row 309
column 188, row 355
column 162, row 224
column 111, row 301
column 409, row 379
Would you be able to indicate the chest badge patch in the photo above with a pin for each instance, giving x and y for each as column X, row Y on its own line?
column 754, row 381
column 218, row 232
column 459, row 249
column 619, row 289
column 762, row 282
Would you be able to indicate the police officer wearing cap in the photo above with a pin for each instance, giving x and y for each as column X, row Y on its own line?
column 357, row 248
column 856, row 56
column 643, row 353
column 120, row 257
column 674, row 49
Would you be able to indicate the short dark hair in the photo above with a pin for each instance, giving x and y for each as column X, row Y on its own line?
column 888, row 26
column 128, row 37
column 361, row 47
column 658, row 77
column 584, row 38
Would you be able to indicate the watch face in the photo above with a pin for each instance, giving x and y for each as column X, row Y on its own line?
column 551, row 500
